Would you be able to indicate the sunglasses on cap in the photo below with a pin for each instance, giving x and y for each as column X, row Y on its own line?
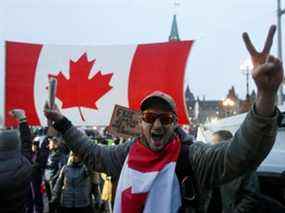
column 165, row 118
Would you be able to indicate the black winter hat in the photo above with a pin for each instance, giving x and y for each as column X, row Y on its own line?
column 9, row 140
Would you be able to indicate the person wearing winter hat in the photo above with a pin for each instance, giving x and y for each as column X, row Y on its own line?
column 15, row 166
column 72, row 191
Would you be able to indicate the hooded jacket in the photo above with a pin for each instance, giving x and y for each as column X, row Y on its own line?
column 15, row 169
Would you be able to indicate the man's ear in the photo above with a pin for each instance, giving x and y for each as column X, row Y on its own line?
column 140, row 120
column 175, row 122
column 140, row 124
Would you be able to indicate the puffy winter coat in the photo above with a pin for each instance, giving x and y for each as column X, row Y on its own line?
column 73, row 187
column 15, row 169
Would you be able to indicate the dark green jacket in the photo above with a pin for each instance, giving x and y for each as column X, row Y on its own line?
column 233, row 197
column 212, row 165
column 233, row 194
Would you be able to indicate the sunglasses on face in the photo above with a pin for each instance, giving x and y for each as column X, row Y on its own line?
column 165, row 117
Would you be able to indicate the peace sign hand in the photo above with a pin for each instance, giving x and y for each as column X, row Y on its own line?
column 267, row 70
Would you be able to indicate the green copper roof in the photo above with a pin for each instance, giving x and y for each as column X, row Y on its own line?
column 174, row 36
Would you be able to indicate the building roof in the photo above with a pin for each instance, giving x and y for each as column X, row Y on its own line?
column 174, row 35
column 209, row 103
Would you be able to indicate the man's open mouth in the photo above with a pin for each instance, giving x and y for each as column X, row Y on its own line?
column 156, row 136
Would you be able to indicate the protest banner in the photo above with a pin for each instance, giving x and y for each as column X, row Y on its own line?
column 124, row 122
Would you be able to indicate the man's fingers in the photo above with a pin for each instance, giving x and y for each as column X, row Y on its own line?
column 11, row 112
column 270, row 59
column 269, row 40
column 264, row 69
column 275, row 61
column 249, row 46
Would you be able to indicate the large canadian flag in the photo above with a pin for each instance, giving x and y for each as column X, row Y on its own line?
column 92, row 79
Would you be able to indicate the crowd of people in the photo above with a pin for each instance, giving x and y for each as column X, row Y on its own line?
column 162, row 170
column 58, row 177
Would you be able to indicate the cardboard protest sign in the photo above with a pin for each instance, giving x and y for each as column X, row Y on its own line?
column 124, row 122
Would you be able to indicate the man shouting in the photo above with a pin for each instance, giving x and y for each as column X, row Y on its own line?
column 152, row 168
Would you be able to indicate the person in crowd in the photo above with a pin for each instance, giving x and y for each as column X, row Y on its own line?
column 232, row 197
column 35, row 198
column 221, row 136
column 152, row 167
column 15, row 166
column 73, row 187
column 107, row 192
column 56, row 160
column 96, row 189
column 242, row 194
column 117, row 140
column 43, row 148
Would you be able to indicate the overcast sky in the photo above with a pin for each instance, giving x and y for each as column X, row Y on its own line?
column 214, row 63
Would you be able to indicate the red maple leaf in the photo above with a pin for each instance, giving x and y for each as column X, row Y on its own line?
column 80, row 90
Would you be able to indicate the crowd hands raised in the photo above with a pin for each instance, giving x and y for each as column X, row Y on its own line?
column 70, row 162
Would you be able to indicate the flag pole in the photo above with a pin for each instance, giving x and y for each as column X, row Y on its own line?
column 4, row 85
column 280, row 12
column 51, row 99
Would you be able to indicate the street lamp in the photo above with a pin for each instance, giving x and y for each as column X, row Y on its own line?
column 246, row 67
column 228, row 105
column 280, row 12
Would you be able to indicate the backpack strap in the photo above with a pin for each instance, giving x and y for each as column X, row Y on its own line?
column 281, row 119
column 185, row 173
column 183, row 167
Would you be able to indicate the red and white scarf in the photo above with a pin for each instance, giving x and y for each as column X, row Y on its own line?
column 148, row 182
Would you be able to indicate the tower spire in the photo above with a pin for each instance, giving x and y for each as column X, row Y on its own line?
column 174, row 35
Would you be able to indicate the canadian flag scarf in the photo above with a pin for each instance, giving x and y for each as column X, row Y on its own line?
column 148, row 182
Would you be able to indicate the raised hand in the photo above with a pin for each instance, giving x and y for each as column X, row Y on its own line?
column 268, row 70
column 53, row 114
column 18, row 114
